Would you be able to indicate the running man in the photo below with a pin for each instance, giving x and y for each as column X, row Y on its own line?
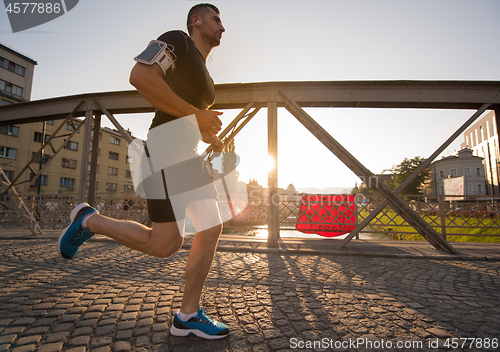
column 172, row 76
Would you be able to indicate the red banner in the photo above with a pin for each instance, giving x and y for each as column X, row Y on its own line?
column 327, row 215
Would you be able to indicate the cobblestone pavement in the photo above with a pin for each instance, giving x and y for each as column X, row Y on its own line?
column 110, row 298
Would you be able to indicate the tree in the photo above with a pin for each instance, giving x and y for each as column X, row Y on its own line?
column 402, row 171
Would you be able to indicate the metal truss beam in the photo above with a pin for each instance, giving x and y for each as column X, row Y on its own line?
column 36, row 156
column 352, row 163
column 368, row 94
column 410, row 178
column 293, row 95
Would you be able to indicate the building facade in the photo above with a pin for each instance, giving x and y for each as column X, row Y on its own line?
column 482, row 138
column 462, row 165
column 20, row 142
column 63, row 173
column 16, row 76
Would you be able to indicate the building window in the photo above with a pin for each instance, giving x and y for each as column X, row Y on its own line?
column 441, row 174
column 9, row 153
column 469, row 189
column 69, row 126
column 113, row 171
column 50, row 122
column 453, row 172
column 128, row 188
column 479, row 188
column 69, row 163
column 129, row 159
column 111, row 186
column 441, row 189
column 67, row 182
column 113, row 155
column 467, row 171
column 11, row 88
column 46, row 157
column 96, row 169
column 10, row 130
column 478, row 171
column 42, row 178
column 13, row 67
column 71, row 146
column 38, row 137
column 9, row 174
column 114, row 140
column 128, row 173
column 5, row 102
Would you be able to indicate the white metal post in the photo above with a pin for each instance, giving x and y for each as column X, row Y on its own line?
column 272, row 184
column 84, row 167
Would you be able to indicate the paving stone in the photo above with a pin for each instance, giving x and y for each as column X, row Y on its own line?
column 51, row 347
column 79, row 341
column 100, row 341
column 26, row 340
column 77, row 349
column 24, row 321
column 104, row 330
column 265, row 303
column 122, row 346
column 25, row 348
column 57, row 336
column 102, row 349
column 7, row 339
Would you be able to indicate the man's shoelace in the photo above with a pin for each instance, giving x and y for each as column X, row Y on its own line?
column 202, row 317
column 80, row 237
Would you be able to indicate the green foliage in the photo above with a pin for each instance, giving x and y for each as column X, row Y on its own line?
column 393, row 225
column 402, row 171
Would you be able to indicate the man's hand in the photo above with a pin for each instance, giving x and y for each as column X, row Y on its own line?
column 208, row 121
column 217, row 145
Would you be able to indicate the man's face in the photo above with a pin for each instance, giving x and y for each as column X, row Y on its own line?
column 212, row 27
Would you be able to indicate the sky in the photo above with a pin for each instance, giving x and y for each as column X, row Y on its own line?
column 91, row 49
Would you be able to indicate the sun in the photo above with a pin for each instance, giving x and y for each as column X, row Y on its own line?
column 269, row 164
column 263, row 170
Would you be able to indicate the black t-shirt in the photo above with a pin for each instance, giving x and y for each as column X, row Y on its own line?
column 190, row 79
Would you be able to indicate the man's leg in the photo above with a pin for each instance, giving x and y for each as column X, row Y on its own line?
column 192, row 319
column 162, row 240
column 206, row 218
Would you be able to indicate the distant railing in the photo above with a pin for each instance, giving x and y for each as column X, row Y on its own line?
column 52, row 211
column 448, row 215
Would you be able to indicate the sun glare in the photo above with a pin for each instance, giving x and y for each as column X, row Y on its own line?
column 269, row 163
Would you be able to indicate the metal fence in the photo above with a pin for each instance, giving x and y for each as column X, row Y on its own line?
column 52, row 211
column 447, row 215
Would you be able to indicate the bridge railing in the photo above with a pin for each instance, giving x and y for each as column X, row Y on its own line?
column 448, row 215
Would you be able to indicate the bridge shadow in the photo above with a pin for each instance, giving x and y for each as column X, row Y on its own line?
column 310, row 298
column 266, row 299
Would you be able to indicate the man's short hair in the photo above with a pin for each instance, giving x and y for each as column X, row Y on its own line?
column 199, row 10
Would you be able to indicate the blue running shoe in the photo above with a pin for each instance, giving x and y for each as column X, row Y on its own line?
column 201, row 325
column 74, row 235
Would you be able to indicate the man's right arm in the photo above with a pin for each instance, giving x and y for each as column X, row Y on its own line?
column 148, row 80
